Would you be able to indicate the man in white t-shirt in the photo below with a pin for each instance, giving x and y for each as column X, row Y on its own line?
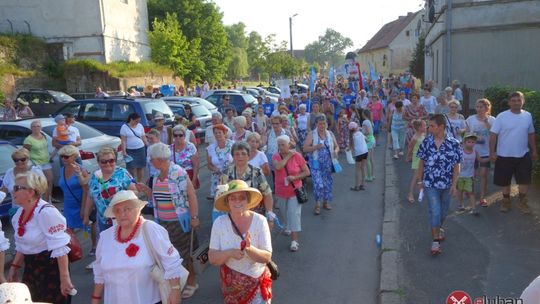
column 403, row 98
column 513, row 148
column 429, row 102
column 363, row 100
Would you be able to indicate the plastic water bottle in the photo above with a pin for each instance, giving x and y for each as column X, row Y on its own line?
column 278, row 223
column 421, row 195
column 378, row 240
column 87, row 230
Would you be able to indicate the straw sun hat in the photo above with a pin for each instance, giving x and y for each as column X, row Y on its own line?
column 122, row 196
column 234, row 186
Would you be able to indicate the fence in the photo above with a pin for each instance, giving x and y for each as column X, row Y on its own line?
column 11, row 26
column 470, row 96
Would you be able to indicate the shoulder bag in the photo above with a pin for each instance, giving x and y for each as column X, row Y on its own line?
column 157, row 272
column 300, row 193
column 199, row 256
column 272, row 266
column 75, row 252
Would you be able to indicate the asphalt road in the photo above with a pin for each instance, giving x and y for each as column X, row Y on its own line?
column 494, row 254
column 338, row 260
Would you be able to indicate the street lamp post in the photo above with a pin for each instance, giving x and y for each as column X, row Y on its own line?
column 290, row 32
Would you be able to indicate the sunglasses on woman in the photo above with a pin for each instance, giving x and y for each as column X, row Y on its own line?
column 19, row 159
column 65, row 156
column 19, row 187
column 179, row 135
column 107, row 161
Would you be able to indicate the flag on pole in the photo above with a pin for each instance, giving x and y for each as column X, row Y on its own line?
column 372, row 72
column 312, row 78
column 331, row 76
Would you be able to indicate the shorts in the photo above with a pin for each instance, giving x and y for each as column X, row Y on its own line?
column 519, row 167
column 64, row 142
column 361, row 157
column 482, row 165
column 376, row 127
column 45, row 166
column 465, row 184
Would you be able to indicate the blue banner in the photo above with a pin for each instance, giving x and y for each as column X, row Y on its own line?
column 312, row 78
column 372, row 72
column 331, row 76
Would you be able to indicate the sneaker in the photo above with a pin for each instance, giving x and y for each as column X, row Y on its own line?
column 92, row 252
column 442, row 235
column 523, row 206
column 286, row 232
column 483, row 202
column 395, row 156
column 400, row 153
column 435, row 248
column 506, row 205
column 90, row 266
column 294, row 246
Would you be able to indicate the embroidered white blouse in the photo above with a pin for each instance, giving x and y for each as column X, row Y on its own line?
column 223, row 237
column 46, row 231
column 127, row 279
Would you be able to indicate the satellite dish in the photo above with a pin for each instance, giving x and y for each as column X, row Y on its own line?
column 431, row 14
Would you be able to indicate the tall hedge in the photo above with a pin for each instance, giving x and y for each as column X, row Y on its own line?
column 498, row 96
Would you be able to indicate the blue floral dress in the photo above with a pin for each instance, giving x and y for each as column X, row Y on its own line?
column 323, row 182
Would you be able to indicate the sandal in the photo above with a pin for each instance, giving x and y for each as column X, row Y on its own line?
column 189, row 290
column 327, row 206
column 317, row 210
column 483, row 202
column 355, row 189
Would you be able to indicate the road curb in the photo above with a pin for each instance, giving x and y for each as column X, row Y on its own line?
column 389, row 286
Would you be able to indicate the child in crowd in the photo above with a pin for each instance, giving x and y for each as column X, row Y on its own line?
column 419, row 135
column 342, row 129
column 466, row 175
column 398, row 128
column 360, row 153
column 62, row 133
column 376, row 108
column 368, row 130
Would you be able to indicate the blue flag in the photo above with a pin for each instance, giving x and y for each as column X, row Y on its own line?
column 372, row 72
column 331, row 76
column 312, row 78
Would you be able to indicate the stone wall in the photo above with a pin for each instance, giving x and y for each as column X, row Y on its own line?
column 11, row 85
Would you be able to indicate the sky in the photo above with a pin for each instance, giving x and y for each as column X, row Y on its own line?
column 358, row 20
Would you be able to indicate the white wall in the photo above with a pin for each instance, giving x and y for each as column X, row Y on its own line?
column 403, row 46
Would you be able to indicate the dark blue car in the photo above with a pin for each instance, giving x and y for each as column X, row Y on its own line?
column 109, row 114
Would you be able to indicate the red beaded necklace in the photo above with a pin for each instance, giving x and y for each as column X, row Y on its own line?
column 21, row 230
column 130, row 236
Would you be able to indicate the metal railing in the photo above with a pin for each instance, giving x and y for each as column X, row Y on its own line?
column 13, row 26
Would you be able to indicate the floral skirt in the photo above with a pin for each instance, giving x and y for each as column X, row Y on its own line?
column 180, row 239
column 239, row 288
column 42, row 277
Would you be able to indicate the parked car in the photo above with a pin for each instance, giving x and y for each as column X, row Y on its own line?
column 92, row 140
column 203, row 116
column 255, row 93
column 274, row 90
column 44, row 102
column 300, row 88
column 210, row 92
column 264, row 92
column 108, row 115
column 238, row 100
column 192, row 100
column 6, row 148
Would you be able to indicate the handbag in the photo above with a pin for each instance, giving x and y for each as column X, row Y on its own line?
column 157, row 272
column 75, row 252
column 336, row 165
column 199, row 257
column 350, row 158
column 272, row 266
column 301, row 194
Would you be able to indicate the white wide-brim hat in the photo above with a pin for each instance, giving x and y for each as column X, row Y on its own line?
column 122, row 196
column 15, row 293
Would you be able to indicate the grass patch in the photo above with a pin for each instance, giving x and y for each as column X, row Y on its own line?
column 12, row 69
column 117, row 69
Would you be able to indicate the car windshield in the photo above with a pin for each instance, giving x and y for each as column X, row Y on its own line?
column 151, row 108
column 249, row 99
column 86, row 131
column 7, row 162
column 200, row 111
column 62, row 96
column 203, row 102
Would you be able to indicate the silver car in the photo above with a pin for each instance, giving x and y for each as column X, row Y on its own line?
column 92, row 141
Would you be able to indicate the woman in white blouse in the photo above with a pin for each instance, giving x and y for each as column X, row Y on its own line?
column 133, row 144
column 123, row 260
column 257, row 158
column 41, row 242
column 241, row 245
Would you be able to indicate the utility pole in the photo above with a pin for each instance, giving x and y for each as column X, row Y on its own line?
column 290, row 32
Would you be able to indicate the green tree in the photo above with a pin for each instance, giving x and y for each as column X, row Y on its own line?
column 416, row 65
column 237, row 35
column 238, row 68
column 202, row 21
column 256, row 55
column 328, row 49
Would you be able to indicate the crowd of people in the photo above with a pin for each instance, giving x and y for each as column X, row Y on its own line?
column 259, row 161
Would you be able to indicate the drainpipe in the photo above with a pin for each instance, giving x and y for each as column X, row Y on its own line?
column 448, row 42
column 104, row 27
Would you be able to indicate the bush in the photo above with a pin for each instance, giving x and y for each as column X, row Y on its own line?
column 498, row 96
column 117, row 69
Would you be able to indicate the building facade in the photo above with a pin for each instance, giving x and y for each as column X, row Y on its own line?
column 483, row 43
column 105, row 30
column 390, row 49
